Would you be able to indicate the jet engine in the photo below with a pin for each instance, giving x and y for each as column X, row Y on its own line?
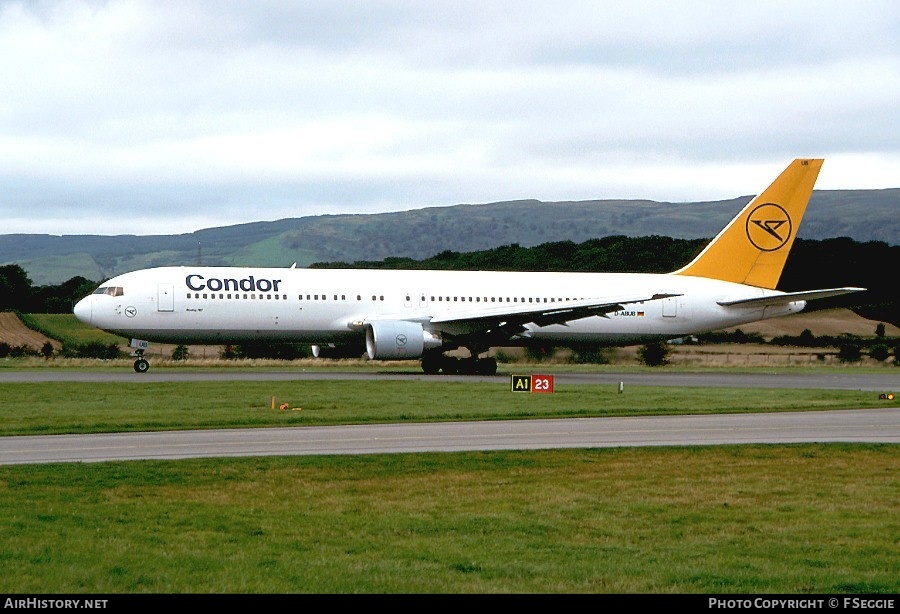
column 398, row 340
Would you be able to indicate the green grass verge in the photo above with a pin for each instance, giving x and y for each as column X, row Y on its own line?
column 67, row 329
column 791, row 519
column 76, row 407
column 785, row 519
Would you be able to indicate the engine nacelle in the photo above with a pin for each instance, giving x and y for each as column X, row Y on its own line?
column 398, row 340
column 330, row 350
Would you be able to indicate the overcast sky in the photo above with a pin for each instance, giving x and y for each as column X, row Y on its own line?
column 138, row 117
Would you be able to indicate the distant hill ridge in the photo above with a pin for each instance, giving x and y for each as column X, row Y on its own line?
column 862, row 215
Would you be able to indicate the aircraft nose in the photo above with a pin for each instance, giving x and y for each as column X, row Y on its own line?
column 83, row 310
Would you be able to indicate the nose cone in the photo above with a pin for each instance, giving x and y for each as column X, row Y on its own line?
column 83, row 310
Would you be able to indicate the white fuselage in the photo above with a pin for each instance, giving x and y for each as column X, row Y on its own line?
column 220, row 305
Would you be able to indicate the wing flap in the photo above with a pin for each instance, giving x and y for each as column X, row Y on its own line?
column 544, row 314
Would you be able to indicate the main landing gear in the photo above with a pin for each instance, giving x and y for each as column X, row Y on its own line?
column 435, row 362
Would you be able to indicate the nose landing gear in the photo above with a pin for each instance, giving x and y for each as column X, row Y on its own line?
column 141, row 365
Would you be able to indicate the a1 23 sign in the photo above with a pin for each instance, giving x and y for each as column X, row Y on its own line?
column 542, row 384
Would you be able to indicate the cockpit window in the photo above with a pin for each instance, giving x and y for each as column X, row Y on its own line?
column 110, row 290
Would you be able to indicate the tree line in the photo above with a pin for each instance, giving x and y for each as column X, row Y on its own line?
column 812, row 264
column 18, row 293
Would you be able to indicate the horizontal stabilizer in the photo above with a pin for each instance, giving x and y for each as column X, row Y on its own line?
column 789, row 297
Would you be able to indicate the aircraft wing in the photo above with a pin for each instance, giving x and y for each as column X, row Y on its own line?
column 511, row 319
column 789, row 297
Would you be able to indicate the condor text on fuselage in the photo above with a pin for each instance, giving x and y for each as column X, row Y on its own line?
column 199, row 283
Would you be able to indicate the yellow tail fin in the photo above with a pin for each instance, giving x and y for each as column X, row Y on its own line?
column 754, row 246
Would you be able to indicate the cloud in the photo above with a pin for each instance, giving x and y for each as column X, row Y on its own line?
column 142, row 117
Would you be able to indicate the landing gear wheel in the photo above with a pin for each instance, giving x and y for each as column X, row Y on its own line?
column 486, row 366
column 467, row 366
column 141, row 365
column 431, row 363
column 450, row 365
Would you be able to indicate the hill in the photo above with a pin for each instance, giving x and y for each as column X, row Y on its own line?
column 824, row 323
column 14, row 333
column 862, row 215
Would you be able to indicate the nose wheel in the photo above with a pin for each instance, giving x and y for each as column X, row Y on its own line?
column 140, row 365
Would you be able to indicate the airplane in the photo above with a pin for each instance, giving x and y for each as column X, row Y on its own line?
column 422, row 314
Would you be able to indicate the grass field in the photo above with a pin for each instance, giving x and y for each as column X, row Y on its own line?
column 755, row 519
column 67, row 407
column 67, row 329
column 718, row 519
column 731, row 519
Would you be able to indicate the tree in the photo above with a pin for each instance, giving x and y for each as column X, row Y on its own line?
column 538, row 353
column 15, row 288
column 277, row 351
column 879, row 352
column 850, row 352
column 61, row 298
column 654, row 354
column 806, row 338
column 92, row 349
column 180, row 352
column 591, row 355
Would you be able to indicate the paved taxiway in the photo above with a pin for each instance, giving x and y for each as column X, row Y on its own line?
column 872, row 425
column 827, row 379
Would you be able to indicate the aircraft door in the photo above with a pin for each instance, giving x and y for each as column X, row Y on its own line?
column 670, row 307
column 166, row 298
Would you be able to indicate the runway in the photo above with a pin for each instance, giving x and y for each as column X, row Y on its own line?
column 868, row 426
column 865, row 425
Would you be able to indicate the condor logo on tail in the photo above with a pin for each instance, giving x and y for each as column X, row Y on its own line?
column 753, row 249
column 769, row 227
